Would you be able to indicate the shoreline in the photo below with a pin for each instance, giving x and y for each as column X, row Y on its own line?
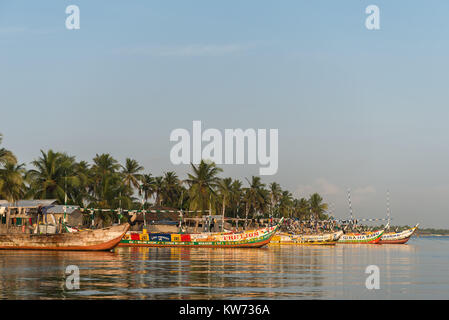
column 431, row 235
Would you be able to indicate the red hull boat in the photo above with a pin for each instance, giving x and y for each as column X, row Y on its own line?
column 397, row 237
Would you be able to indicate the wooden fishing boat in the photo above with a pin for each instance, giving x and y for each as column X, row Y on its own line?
column 90, row 240
column 398, row 237
column 362, row 238
column 249, row 239
column 306, row 239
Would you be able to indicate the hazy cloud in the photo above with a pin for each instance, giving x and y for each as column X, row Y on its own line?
column 441, row 190
column 361, row 194
column 185, row 51
column 321, row 186
column 9, row 30
column 364, row 190
column 332, row 192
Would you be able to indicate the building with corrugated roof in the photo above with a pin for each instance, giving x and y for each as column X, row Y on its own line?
column 23, row 214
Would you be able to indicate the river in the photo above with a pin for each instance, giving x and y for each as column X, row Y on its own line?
column 417, row 270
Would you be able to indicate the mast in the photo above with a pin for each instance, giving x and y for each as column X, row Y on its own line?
column 388, row 208
column 223, row 218
column 181, row 216
column 331, row 210
column 350, row 205
column 210, row 212
column 65, row 197
column 120, row 209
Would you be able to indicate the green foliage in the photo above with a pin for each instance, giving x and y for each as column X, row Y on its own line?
column 203, row 184
column 105, row 183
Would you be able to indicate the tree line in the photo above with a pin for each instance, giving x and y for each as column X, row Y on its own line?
column 107, row 184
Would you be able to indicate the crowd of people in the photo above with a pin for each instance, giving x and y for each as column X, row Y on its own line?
column 321, row 226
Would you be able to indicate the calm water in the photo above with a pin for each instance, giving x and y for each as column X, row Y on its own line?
column 418, row 270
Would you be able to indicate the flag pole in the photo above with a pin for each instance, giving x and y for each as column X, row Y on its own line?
column 350, row 206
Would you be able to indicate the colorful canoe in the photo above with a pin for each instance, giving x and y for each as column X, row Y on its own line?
column 398, row 237
column 362, row 238
column 306, row 239
column 249, row 239
column 87, row 240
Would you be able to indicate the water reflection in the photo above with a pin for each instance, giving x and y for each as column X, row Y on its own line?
column 289, row 272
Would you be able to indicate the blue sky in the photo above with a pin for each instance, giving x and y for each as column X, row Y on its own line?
column 358, row 109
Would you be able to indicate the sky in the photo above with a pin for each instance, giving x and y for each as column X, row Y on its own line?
column 355, row 108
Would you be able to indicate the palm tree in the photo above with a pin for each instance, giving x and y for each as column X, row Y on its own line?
column 148, row 186
column 225, row 190
column 286, row 204
column 303, row 208
column 106, row 180
column 254, row 197
column 131, row 175
column 171, row 189
column 53, row 172
column 158, row 188
column 12, row 186
column 203, row 183
column 103, row 165
column 275, row 195
column 81, row 193
column 6, row 155
column 236, row 196
column 316, row 206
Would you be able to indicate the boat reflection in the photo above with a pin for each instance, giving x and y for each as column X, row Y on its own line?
column 195, row 273
column 278, row 272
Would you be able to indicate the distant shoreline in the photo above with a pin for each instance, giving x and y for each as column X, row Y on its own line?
column 431, row 235
column 432, row 232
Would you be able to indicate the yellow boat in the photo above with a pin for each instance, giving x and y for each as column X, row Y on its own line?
column 330, row 238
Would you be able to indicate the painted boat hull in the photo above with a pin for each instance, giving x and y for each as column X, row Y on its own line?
column 397, row 237
column 87, row 240
column 250, row 239
column 362, row 238
column 305, row 240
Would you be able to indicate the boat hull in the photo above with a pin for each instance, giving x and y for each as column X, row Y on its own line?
column 402, row 241
column 397, row 237
column 250, row 239
column 192, row 244
column 305, row 240
column 361, row 238
column 87, row 240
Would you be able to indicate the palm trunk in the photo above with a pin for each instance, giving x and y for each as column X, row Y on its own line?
column 7, row 220
column 223, row 221
column 246, row 214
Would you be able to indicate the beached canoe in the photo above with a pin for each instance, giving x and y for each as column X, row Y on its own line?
column 249, row 239
column 398, row 237
column 330, row 238
column 362, row 238
column 89, row 240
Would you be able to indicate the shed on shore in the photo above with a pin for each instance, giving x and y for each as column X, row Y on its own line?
column 160, row 219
